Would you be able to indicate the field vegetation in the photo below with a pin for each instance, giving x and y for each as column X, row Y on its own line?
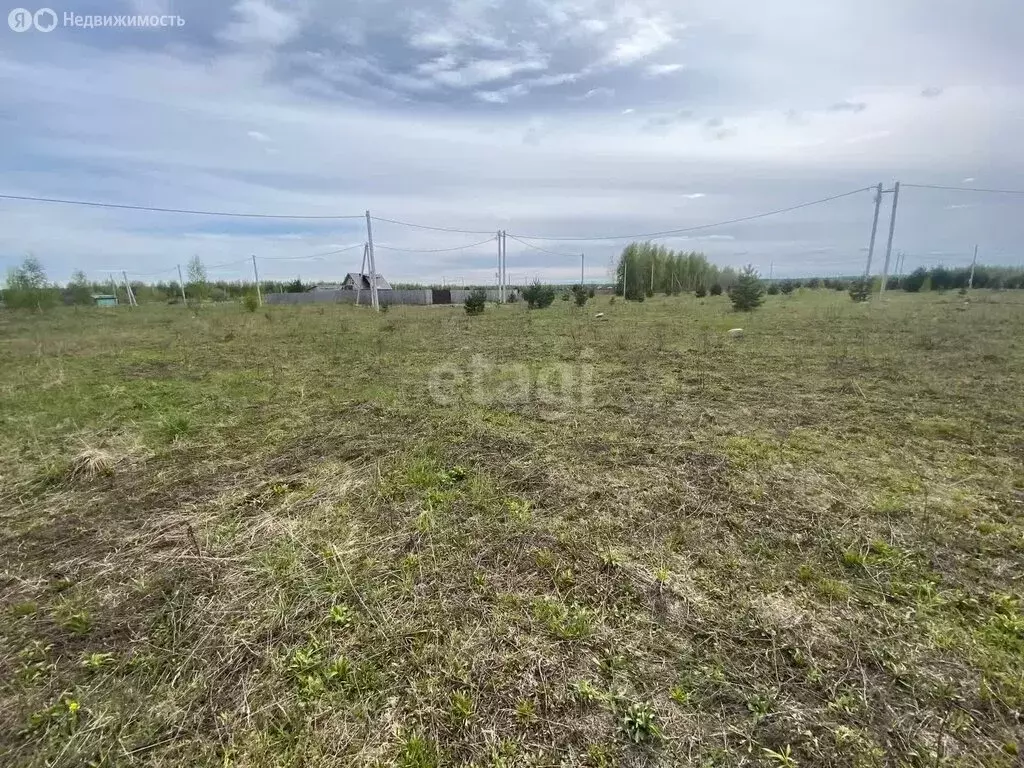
column 322, row 536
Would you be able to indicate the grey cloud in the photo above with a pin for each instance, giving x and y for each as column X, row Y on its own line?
column 663, row 122
column 931, row 92
column 848, row 106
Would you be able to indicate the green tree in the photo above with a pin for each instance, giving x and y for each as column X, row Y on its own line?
column 748, row 293
column 79, row 289
column 476, row 302
column 197, row 287
column 538, row 296
column 27, row 287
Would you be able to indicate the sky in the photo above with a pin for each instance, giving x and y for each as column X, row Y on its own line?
column 571, row 122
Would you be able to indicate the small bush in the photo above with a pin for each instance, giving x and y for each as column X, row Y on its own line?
column 773, row 289
column 250, row 302
column 786, row 286
column 748, row 293
column 860, row 290
column 539, row 296
column 476, row 302
column 580, row 295
column 701, row 292
column 716, row 290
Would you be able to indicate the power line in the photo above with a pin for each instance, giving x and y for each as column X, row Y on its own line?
column 119, row 206
column 544, row 250
column 667, row 233
column 314, row 256
column 432, row 229
column 436, row 250
column 226, row 264
column 968, row 189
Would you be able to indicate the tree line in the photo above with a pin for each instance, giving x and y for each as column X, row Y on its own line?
column 645, row 269
column 27, row 287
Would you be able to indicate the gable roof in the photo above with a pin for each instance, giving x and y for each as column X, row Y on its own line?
column 359, row 280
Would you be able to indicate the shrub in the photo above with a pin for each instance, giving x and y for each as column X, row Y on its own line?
column 27, row 287
column 716, row 289
column 748, row 293
column 539, row 296
column 701, row 292
column 915, row 281
column 476, row 302
column 580, row 295
column 786, row 286
column 773, row 289
column 860, row 290
column 250, row 302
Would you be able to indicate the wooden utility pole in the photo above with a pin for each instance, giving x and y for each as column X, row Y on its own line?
column 974, row 263
column 874, row 231
column 892, row 231
column 256, row 274
column 373, row 265
column 181, row 283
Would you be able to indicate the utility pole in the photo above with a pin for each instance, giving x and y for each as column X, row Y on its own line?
column 892, row 231
column 504, row 266
column 128, row 287
column 373, row 265
column 970, row 282
column 652, row 275
column 874, row 231
column 362, row 273
column 181, row 282
column 113, row 283
column 771, row 271
column 256, row 274
column 625, row 274
column 583, row 269
column 501, row 289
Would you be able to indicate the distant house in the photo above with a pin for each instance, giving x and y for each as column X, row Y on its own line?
column 355, row 281
column 104, row 300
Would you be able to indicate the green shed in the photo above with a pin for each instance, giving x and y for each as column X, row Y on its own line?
column 105, row 300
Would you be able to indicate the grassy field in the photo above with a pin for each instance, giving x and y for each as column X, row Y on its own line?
column 318, row 536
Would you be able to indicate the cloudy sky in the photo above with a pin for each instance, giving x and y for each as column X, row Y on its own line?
column 552, row 119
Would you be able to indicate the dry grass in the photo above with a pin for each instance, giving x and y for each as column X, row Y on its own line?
column 262, row 540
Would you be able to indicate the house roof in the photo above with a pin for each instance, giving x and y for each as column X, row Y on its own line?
column 359, row 279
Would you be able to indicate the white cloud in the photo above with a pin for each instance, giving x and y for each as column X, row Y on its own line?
column 487, row 70
column 647, row 37
column 258, row 136
column 968, row 180
column 260, row 24
column 628, row 111
column 657, row 70
column 694, row 195
column 502, row 96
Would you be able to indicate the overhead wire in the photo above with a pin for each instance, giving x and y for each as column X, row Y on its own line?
column 120, row 206
column 432, row 229
column 434, row 250
column 966, row 189
column 314, row 256
column 666, row 233
column 543, row 250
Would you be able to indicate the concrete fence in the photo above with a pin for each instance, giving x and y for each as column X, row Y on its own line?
column 419, row 296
